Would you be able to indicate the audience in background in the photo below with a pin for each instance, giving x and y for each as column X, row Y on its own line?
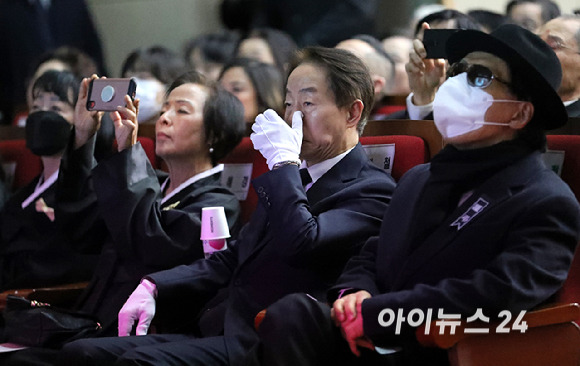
column 399, row 47
column 489, row 20
column 531, row 14
column 309, row 23
column 268, row 45
column 259, row 86
column 563, row 35
column 153, row 68
column 207, row 53
column 28, row 29
column 381, row 67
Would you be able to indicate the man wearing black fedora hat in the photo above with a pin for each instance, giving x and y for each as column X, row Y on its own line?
column 483, row 228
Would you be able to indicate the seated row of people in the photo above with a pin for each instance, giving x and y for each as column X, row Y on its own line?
column 330, row 230
column 486, row 225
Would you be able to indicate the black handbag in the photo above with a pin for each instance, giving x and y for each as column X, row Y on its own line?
column 36, row 324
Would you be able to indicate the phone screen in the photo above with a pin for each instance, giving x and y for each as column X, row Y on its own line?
column 435, row 40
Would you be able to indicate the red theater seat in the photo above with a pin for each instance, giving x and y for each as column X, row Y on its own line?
column 27, row 165
column 409, row 151
column 244, row 153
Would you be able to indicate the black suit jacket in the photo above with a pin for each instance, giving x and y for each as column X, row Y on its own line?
column 120, row 205
column 294, row 242
column 34, row 251
column 574, row 109
column 507, row 247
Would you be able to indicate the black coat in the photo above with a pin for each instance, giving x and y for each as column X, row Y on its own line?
column 513, row 254
column 34, row 252
column 121, row 200
column 574, row 109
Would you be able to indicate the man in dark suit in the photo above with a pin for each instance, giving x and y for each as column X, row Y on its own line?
column 299, row 238
column 484, row 225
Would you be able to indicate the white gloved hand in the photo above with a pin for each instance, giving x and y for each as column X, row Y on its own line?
column 275, row 140
column 140, row 306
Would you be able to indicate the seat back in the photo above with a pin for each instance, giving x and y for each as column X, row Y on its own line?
column 570, row 144
column 148, row 145
column 557, row 344
column 244, row 154
column 409, row 151
column 20, row 164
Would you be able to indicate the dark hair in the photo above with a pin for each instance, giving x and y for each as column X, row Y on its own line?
column 77, row 61
column 218, row 47
column 266, row 79
column 64, row 84
column 550, row 9
column 162, row 63
column 488, row 19
column 348, row 77
column 223, row 115
column 281, row 44
column 463, row 21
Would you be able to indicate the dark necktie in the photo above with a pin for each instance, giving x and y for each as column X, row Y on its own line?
column 305, row 177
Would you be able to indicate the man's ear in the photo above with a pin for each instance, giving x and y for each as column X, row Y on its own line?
column 522, row 116
column 355, row 112
column 379, row 83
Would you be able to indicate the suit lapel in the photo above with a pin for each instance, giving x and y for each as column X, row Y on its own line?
column 574, row 109
column 332, row 181
column 491, row 193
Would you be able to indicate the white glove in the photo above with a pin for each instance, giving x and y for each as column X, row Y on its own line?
column 275, row 140
column 140, row 306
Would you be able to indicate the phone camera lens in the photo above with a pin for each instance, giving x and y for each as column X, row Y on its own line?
column 107, row 93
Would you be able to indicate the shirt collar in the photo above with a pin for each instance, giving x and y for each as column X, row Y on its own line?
column 570, row 102
column 216, row 169
column 41, row 186
column 316, row 171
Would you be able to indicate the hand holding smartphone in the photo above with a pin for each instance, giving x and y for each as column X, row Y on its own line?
column 108, row 94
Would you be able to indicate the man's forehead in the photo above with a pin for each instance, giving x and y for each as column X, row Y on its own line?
column 307, row 78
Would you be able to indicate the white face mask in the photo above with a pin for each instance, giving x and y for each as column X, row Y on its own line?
column 150, row 94
column 459, row 108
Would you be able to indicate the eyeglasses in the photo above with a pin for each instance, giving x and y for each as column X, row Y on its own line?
column 478, row 76
column 558, row 45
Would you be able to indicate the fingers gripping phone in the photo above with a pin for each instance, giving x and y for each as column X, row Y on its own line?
column 108, row 94
column 435, row 40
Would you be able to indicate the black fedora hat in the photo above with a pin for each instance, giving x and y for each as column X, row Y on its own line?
column 530, row 55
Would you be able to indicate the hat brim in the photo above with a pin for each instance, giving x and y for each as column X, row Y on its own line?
column 549, row 111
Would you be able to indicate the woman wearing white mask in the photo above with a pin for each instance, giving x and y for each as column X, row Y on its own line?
column 153, row 68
